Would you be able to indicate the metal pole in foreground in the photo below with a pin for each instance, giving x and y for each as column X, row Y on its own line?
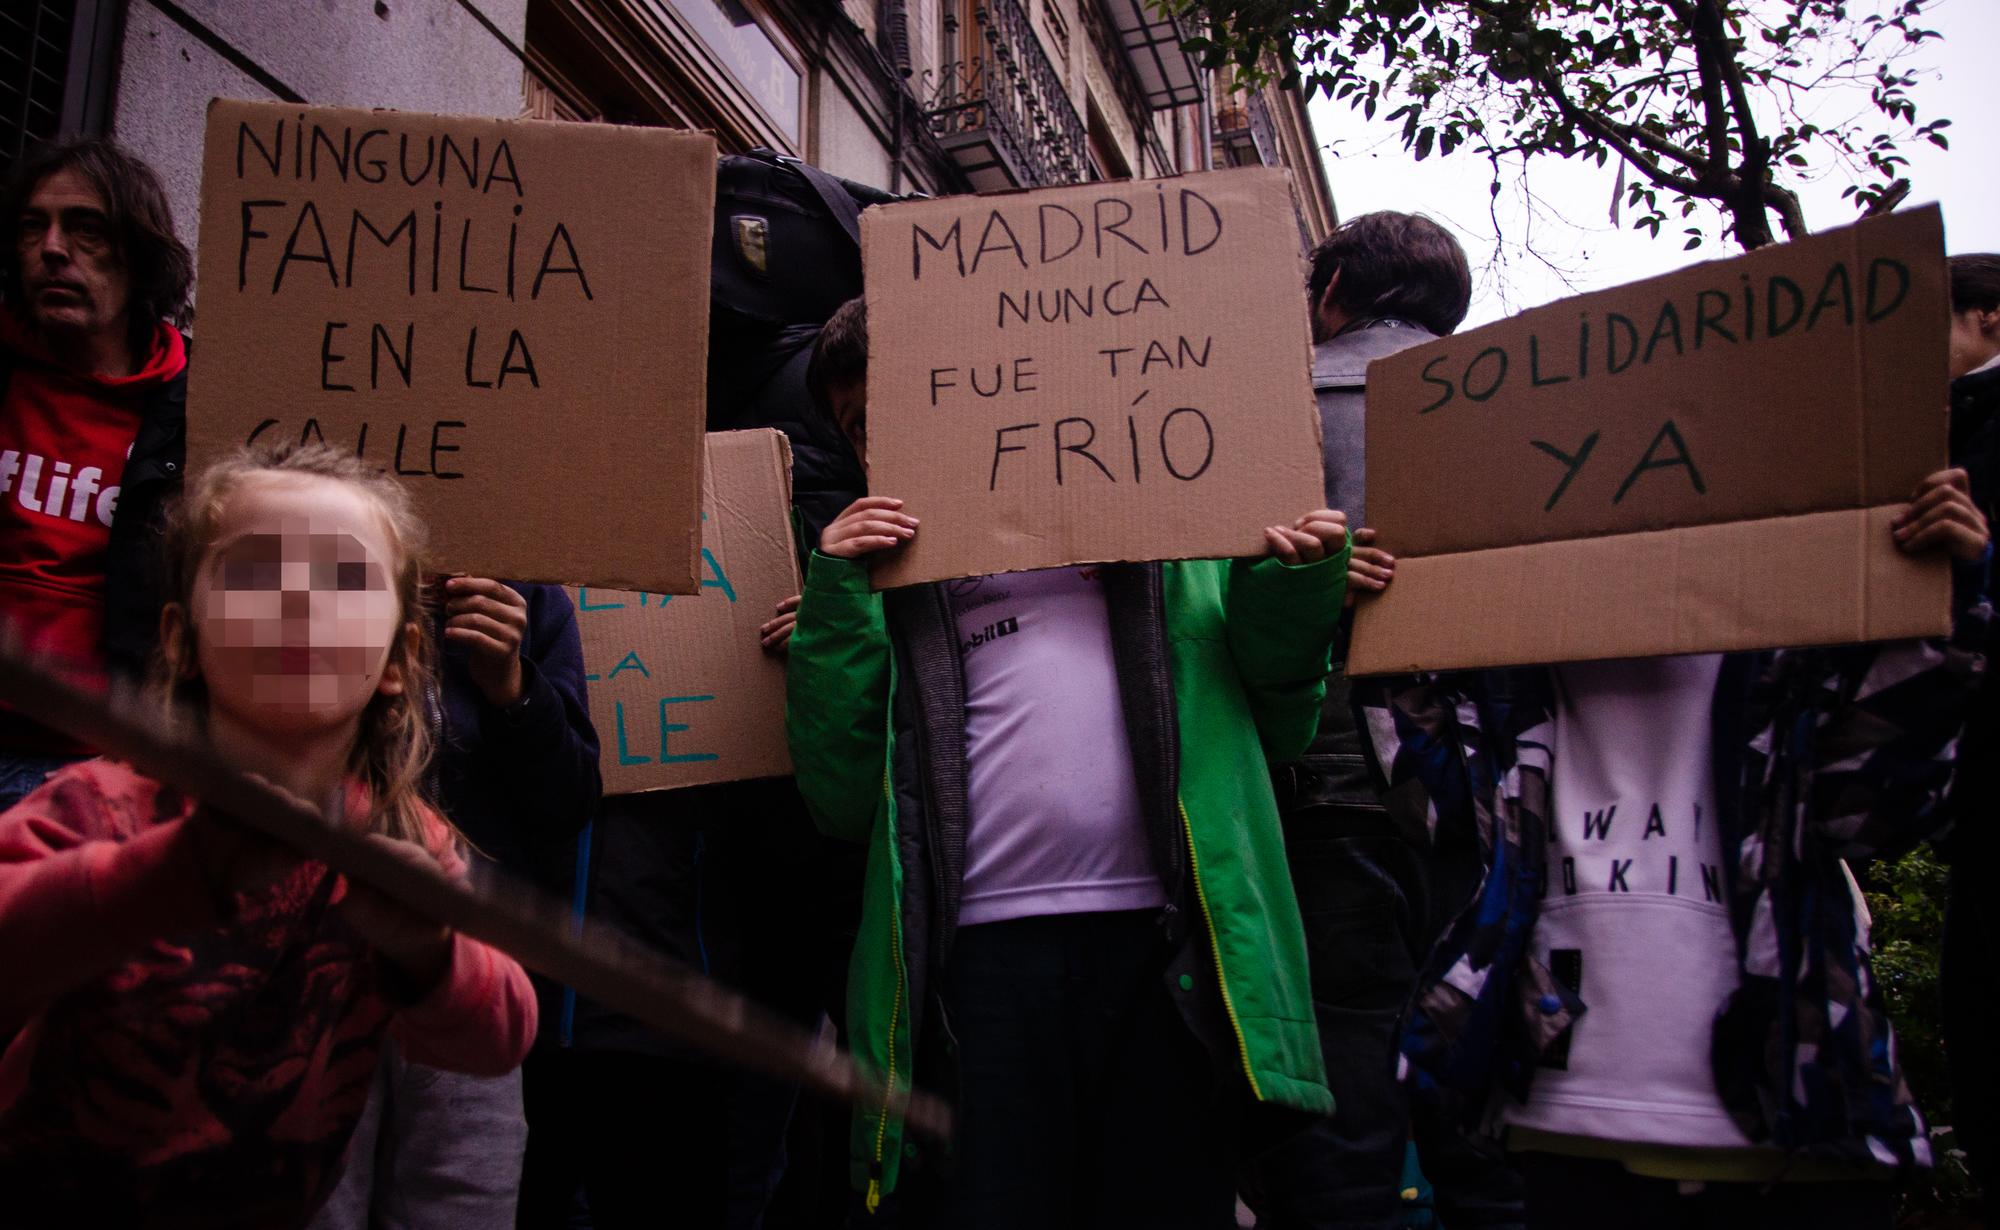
column 602, row 963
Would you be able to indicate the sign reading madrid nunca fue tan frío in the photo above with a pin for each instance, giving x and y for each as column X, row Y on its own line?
column 1111, row 371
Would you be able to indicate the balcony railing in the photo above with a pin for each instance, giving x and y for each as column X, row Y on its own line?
column 1003, row 113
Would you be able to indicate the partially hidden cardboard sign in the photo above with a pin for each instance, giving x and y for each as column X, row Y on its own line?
column 1699, row 462
column 681, row 691
column 1112, row 371
column 512, row 316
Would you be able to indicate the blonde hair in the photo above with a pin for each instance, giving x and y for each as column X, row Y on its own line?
column 394, row 748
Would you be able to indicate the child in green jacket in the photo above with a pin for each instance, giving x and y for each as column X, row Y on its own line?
column 1078, row 921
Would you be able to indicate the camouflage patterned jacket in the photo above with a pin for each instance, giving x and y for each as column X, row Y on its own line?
column 1820, row 755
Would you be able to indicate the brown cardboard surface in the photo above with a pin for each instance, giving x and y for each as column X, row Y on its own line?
column 512, row 315
column 994, row 412
column 681, row 691
column 1553, row 492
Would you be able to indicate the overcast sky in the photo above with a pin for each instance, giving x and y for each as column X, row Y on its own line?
column 1570, row 226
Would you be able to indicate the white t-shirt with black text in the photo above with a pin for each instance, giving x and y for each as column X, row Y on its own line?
column 1636, row 918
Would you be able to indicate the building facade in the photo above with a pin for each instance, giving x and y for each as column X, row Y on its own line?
column 931, row 96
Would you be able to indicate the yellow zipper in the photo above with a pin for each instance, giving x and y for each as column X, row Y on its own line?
column 1215, row 948
column 895, row 1016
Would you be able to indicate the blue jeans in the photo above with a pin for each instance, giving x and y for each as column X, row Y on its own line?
column 21, row 774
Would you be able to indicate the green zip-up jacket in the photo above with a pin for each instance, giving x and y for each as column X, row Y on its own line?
column 1221, row 664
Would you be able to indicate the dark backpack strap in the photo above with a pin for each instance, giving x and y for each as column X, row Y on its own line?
column 840, row 204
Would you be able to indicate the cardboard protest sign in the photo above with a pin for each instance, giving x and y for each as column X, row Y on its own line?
column 1112, row 371
column 681, row 691
column 510, row 315
column 1698, row 462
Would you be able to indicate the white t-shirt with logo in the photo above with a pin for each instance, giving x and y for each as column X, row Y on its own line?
column 1636, row 918
column 1056, row 824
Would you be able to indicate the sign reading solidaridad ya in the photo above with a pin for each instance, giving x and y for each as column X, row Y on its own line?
column 1705, row 461
column 511, row 316
column 1112, row 371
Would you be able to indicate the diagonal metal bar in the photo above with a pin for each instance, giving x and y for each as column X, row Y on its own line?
column 602, row 963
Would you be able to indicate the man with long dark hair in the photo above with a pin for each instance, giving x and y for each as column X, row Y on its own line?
column 92, row 426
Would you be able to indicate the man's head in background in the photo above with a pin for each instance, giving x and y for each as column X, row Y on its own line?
column 1389, row 265
column 1975, row 311
column 837, row 375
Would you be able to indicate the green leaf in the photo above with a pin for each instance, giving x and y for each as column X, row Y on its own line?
column 1452, row 73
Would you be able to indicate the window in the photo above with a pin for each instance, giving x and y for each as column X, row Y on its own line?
column 1107, row 160
column 55, row 71
column 725, row 66
column 1058, row 30
column 751, row 56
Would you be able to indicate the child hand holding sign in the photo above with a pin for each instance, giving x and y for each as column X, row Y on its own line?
column 878, row 523
column 871, row 523
column 1369, row 568
column 1310, row 539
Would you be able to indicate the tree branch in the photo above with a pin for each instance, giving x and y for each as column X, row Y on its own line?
column 1755, row 173
column 1790, row 214
column 1704, row 23
column 1608, row 132
column 1620, row 136
column 1659, row 145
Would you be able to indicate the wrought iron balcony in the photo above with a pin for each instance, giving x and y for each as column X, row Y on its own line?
column 1244, row 135
column 1003, row 113
column 1151, row 36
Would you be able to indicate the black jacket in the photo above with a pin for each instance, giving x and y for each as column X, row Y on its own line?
column 733, row 879
column 826, row 475
column 1975, row 794
column 520, row 785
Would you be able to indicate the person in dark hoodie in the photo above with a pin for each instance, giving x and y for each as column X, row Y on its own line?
column 516, row 771
column 733, row 880
column 1972, row 921
column 93, row 384
column 1361, row 861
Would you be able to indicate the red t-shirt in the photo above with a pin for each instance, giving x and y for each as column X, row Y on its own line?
column 64, row 438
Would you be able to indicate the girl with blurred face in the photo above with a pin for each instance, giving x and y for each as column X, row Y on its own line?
column 200, row 1009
